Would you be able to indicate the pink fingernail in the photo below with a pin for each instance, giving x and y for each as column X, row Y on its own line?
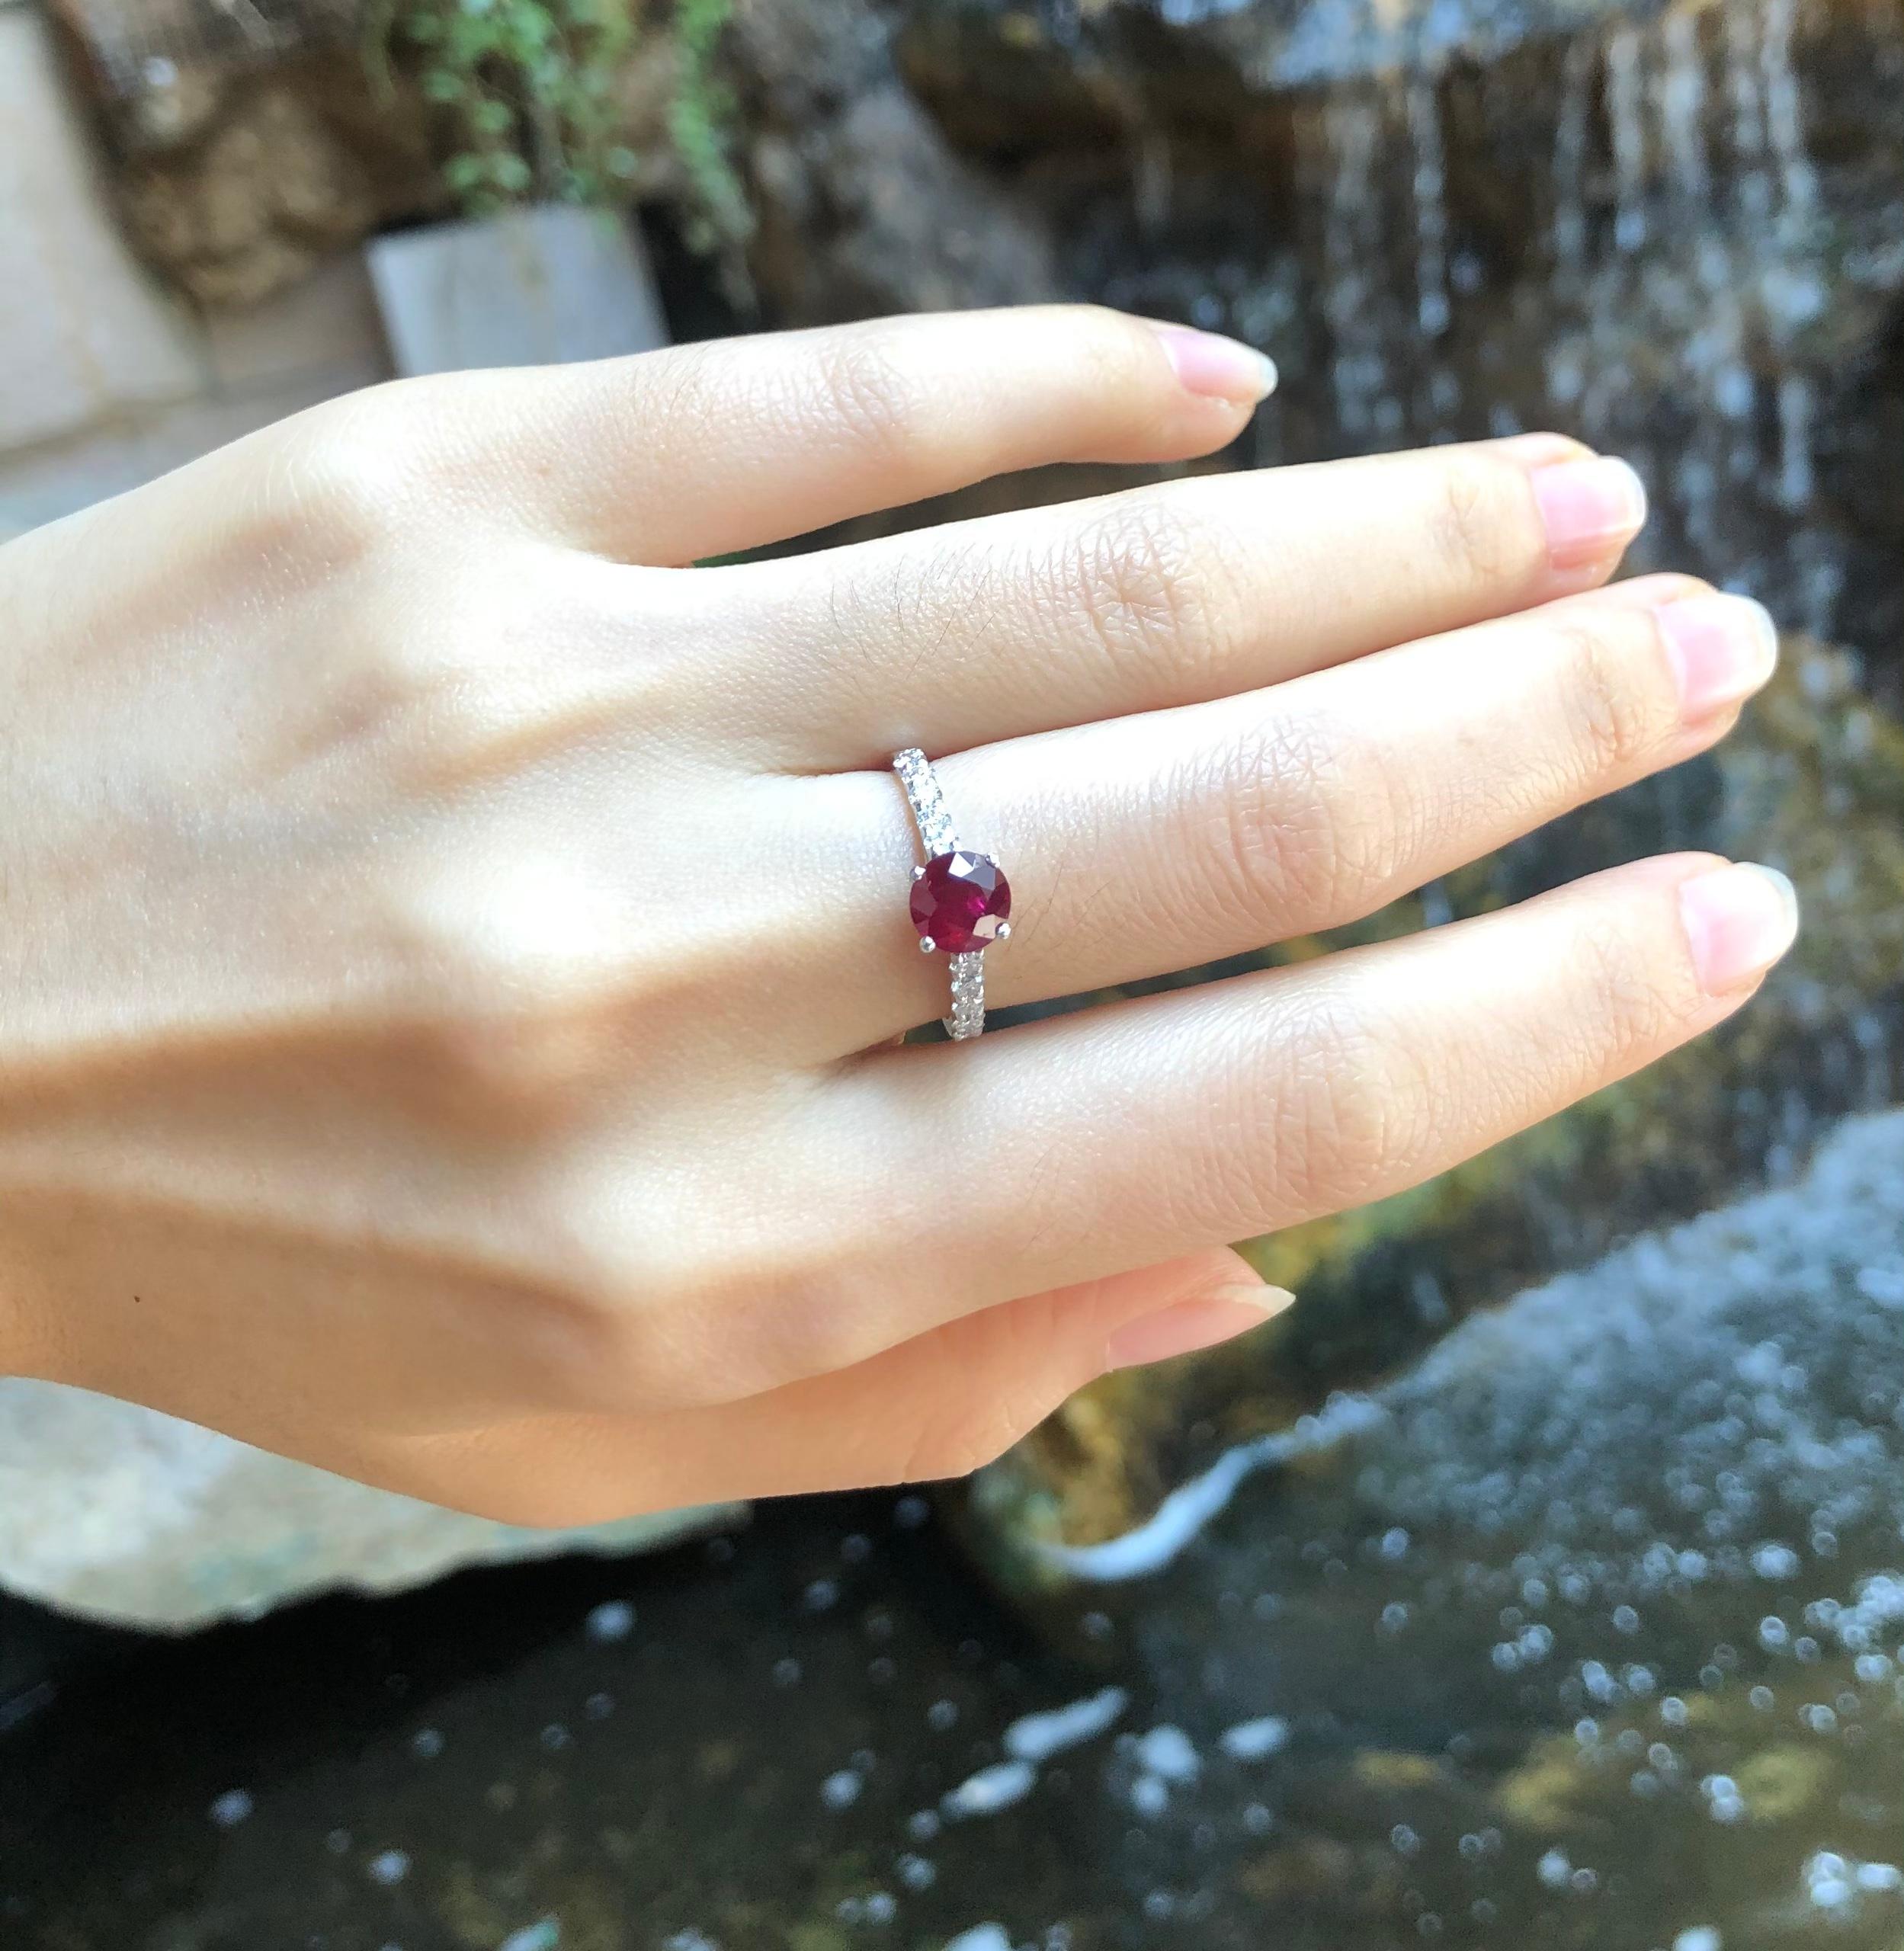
column 1591, row 509
column 1738, row 920
column 1216, row 368
column 1190, row 1325
column 1723, row 648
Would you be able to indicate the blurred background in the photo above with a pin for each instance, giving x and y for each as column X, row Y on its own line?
column 1540, row 1578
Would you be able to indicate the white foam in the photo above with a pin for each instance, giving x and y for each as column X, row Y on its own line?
column 1038, row 1737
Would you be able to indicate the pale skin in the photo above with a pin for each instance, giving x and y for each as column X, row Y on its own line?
column 454, row 948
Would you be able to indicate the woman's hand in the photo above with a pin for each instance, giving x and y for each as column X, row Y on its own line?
column 452, row 951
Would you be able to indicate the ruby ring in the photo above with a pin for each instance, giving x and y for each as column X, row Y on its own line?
column 961, row 901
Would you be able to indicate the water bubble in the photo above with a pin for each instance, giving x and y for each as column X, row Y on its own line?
column 991, row 1789
column 1166, row 1750
column 1255, row 1741
column 231, row 1809
column 545, row 1934
column 613, row 1620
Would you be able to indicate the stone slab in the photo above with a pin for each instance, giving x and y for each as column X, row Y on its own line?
column 85, row 332
column 53, row 480
column 528, row 288
column 116, row 1512
column 326, row 325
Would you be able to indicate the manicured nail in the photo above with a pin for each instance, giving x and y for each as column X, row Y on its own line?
column 1739, row 919
column 1218, row 368
column 1591, row 509
column 1722, row 650
column 1193, row 1324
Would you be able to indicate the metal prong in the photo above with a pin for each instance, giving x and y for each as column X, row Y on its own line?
column 927, row 945
column 1004, row 932
column 918, row 873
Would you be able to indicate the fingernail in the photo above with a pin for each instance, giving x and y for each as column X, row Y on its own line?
column 1216, row 368
column 1738, row 920
column 1190, row 1325
column 1591, row 509
column 1722, row 650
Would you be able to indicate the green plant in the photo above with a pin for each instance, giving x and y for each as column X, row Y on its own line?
column 525, row 93
column 701, row 119
column 524, row 90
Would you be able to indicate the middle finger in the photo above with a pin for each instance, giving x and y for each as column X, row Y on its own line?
column 962, row 635
column 1159, row 842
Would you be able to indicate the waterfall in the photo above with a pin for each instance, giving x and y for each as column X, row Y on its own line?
column 1433, row 307
column 1353, row 258
column 1685, row 272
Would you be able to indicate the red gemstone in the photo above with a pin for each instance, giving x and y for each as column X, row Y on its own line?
column 960, row 902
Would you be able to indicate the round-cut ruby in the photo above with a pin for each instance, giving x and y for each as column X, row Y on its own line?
column 960, row 902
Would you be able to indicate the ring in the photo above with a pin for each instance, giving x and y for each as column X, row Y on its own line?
column 961, row 901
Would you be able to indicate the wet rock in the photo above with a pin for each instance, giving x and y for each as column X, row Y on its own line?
column 997, row 68
column 259, row 202
column 1811, row 781
column 861, row 205
column 244, row 152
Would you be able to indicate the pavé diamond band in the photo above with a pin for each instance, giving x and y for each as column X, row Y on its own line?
column 961, row 901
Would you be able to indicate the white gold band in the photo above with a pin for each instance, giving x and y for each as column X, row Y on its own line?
column 936, row 836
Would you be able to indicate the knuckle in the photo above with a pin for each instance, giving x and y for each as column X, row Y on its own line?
column 429, row 695
column 1483, row 522
column 453, row 686
column 1638, row 997
column 1357, row 1114
column 498, row 999
column 866, row 400
column 1618, row 716
column 1151, row 585
column 344, row 474
column 1309, row 825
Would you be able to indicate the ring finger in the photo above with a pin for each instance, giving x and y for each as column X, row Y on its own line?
column 1154, row 843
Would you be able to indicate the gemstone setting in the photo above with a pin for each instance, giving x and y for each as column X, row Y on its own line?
column 961, row 901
